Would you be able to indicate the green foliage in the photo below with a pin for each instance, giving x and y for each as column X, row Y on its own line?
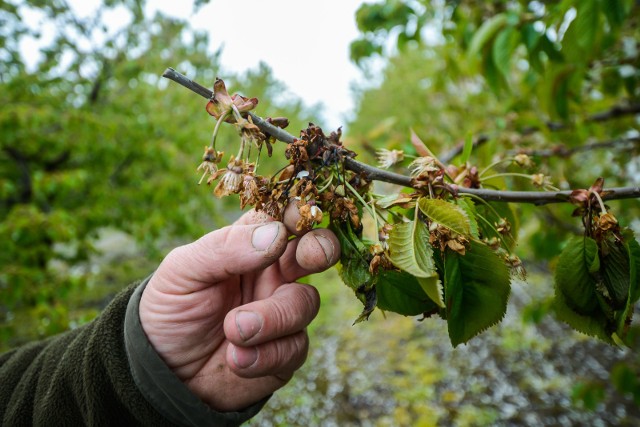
column 463, row 280
column 596, row 283
column 91, row 140
column 542, row 78
column 477, row 287
column 446, row 214
column 408, row 248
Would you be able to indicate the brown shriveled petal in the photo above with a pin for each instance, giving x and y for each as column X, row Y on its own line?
column 244, row 104
column 221, row 103
column 456, row 246
column 579, row 197
column 310, row 214
column 597, row 186
column 250, row 194
column 607, row 222
column 280, row 122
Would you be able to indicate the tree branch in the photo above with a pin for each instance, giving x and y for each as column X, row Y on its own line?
column 374, row 174
column 630, row 143
column 613, row 113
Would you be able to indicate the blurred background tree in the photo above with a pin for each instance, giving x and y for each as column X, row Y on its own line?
column 98, row 157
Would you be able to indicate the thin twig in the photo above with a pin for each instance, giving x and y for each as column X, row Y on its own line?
column 375, row 174
column 625, row 144
column 614, row 112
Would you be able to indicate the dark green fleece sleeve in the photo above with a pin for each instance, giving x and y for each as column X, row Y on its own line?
column 84, row 377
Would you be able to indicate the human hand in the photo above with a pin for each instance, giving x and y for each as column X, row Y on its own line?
column 222, row 311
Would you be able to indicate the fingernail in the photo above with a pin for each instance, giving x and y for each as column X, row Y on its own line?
column 327, row 247
column 265, row 235
column 245, row 358
column 248, row 324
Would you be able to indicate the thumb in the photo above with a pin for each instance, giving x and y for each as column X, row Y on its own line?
column 221, row 254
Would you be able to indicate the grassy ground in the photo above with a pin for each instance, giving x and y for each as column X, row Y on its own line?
column 397, row 371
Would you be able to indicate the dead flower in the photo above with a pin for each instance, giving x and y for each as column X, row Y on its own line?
column 231, row 181
column 221, row 104
column 249, row 131
column 445, row 238
column 388, row 158
column 523, row 160
column 210, row 159
column 310, row 214
column 540, row 180
column 425, row 165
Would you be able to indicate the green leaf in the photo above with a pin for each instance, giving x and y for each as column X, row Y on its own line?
column 354, row 266
column 409, row 248
column 363, row 48
column 468, row 147
column 401, row 293
column 503, row 47
column 586, row 23
column 595, row 325
column 573, row 276
column 634, row 258
column 432, row 286
column 495, row 79
column 492, row 213
column 530, row 36
column 615, row 270
column 469, row 209
column 446, row 214
column 616, row 13
column 551, row 49
column 486, row 32
column 633, row 252
column 477, row 287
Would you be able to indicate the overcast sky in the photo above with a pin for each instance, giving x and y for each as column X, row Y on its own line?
column 305, row 42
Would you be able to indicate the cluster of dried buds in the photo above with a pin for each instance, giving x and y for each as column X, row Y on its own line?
column 598, row 225
column 444, row 238
column 311, row 158
column 314, row 160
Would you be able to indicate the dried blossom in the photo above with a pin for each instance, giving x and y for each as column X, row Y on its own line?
column 541, row 180
column 250, row 194
column 249, row 131
column 607, row 222
column 503, row 226
column 388, row 158
column 425, row 165
column 517, row 268
column 523, row 160
column 296, row 152
column 380, row 260
column 231, row 181
column 471, row 178
column 310, row 214
column 345, row 209
column 222, row 104
column 383, row 235
column 445, row 238
column 210, row 159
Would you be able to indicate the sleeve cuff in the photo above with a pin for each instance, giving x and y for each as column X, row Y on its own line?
column 161, row 387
